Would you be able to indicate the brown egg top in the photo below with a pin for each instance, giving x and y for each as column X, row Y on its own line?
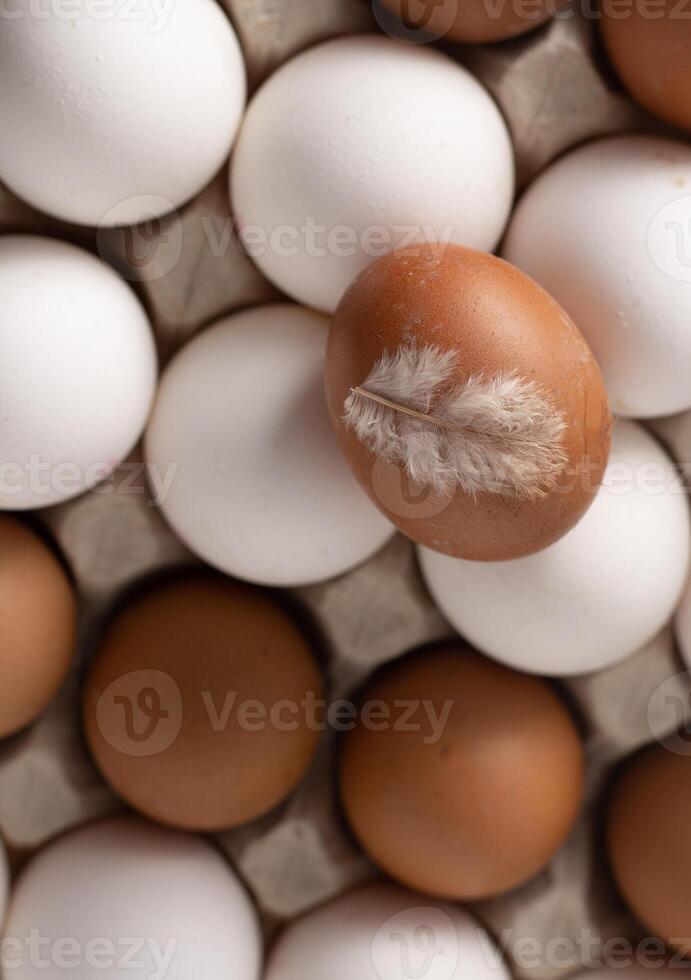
column 194, row 705
column 499, row 322
column 474, row 792
column 472, row 21
column 652, row 55
column 38, row 625
column 649, row 841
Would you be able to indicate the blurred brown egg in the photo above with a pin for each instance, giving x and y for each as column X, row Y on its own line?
column 195, row 704
column 472, row 783
column 520, row 428
column 649, row 841
column 38, row 625
column 651, row 53
column 471, row 21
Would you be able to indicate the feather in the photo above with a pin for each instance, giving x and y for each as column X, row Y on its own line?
column 496, row 435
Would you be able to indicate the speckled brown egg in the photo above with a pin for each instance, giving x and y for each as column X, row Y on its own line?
column 650, row 50
column 649, row 842
column 472, row 21
column 38, row 625
column 500, row 428
column 464, row 777
column 195, row 705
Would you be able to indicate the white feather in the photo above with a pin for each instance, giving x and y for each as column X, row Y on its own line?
column 495, row 435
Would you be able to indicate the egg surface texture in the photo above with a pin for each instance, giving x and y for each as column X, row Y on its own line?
column 260, row 489
column 38, row 625
column 380, row 932
column 202, row 653
column 594, row 597
column 526, row 445
column 470, row 21
column 652, row 56
column 605, row 231
column 648, row 841
column 477, row 790
column 121, row 114
column 77, row 371
column 125, row 897
column 361, row 145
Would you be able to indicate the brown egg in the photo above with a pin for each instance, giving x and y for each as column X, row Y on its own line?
column 651, row 53
column 38, row 625
column 649, row 841
column 195, row 704
column 472, row 21
column 472, row 784
column 529, row 424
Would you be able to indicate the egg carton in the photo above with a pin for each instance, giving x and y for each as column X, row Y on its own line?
column 189, row 270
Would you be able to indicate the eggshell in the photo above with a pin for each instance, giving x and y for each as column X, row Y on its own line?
column 603, row 230
column 360, row 145
column 124, row 113
column 650, row 49
column 77, row 371
column 375, row 933
column 469, row 21
column 596, row 596
column 498, row 321
column 194, row 653
column 260, row 489
column 471, row 791
column 648, row 841
column 122, row 896
column 38, row 625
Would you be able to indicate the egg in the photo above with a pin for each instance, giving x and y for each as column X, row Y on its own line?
column 194, row 707
column 259, row 488
column 126, row 111
column 474, row 22
column 471, row 782
column 123, row 897
column 597, row 595
column 520, row 430
column 648, row 841
column 381, row 932
column 605, row 231
column 38, row 625
column 650, row 50
column 360, row 145
column 77, row 371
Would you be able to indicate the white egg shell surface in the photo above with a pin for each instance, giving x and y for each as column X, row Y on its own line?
column 597, row 595
column 126, row 887
column 382, row 932
column 360, row 145
column 606, row 231
column 78, row 371
column 259, row 487
column 116, row 116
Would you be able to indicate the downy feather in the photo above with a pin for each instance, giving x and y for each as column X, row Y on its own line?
column 495, row 435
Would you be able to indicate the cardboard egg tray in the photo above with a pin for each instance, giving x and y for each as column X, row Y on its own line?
column 189, row 270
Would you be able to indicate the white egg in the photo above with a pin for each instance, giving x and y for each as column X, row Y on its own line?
column 597, row 595
column 259, row 487
column 126, row 898
column 381, row 932
column 116, row 112
column 607, row 231
column 357, row 146
column 77, row 371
